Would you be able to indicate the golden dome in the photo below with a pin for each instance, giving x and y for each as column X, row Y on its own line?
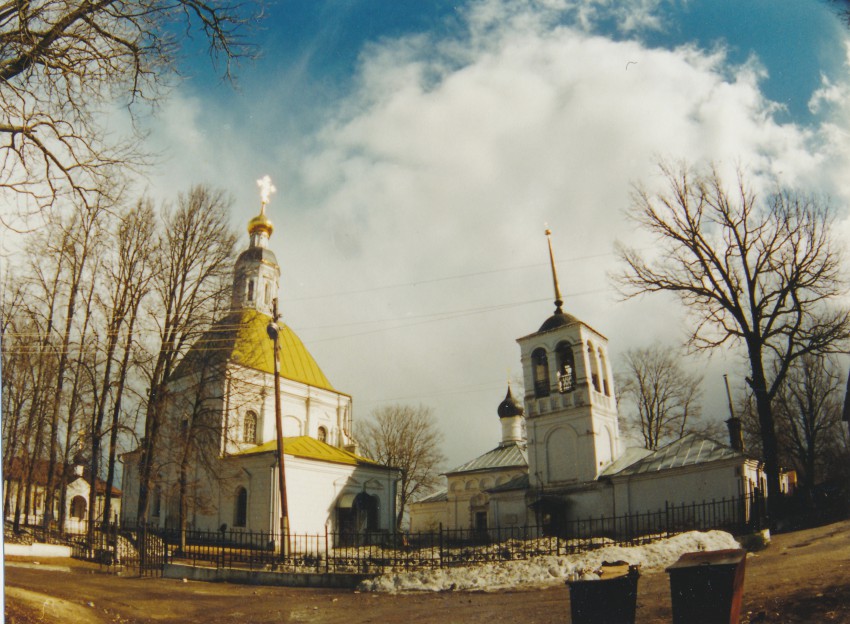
column 261, row 223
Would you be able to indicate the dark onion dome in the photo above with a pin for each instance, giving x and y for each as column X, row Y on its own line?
column 510, row 407
column 257, row 254
column 559, row 319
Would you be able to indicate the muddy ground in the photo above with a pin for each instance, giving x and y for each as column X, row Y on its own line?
column 801, row 577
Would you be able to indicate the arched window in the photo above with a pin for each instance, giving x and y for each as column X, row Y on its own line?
column 249, row 430
column 322, row 434
column 540, row 366
column 240, row 513
column 603, row 371
column 267, row 296
column 566, row 367
column 594, row 367
column 250, row 290
column 78, row 508
column 366, row 508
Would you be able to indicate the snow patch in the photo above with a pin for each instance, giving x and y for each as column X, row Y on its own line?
column 548, row 569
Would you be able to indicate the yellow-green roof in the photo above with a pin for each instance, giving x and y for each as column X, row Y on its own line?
column 310, row 448
column 242, row 338
column 253, row 348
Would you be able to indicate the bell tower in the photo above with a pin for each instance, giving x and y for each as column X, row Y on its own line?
column 570, row 407
column 256, row 276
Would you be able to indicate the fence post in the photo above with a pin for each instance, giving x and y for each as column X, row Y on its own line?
column 667, row 517
column 327, row 552
column 440, row 546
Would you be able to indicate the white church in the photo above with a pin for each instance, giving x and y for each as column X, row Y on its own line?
column 561, row 458
column 223, row 401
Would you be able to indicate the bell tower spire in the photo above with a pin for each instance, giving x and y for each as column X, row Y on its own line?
column 558, row 300
column 570, row 404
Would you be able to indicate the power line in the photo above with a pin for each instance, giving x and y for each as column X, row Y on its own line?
column 447, row 278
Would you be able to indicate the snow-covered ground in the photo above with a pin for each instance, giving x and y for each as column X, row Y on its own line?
column 548, row 569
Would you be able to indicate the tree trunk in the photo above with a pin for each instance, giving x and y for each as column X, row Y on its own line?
column 53, row 445
column 72, row 411
column 770, row 445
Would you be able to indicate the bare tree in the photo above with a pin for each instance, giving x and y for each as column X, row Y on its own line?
column 407, row 438
column 808, row 412
column 80, row 238
column 662, row 394
column 751, row 272
column 196, row 447
column 33, row 323
column 19, row 383
column 842, row 9
column 65, row 63
column 194, row 437
column 128, row 274
column 192, row 267
column 134, row 259
column 79, row 392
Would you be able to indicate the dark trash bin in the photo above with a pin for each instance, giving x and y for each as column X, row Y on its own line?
column 610, row 600
column 707, row 587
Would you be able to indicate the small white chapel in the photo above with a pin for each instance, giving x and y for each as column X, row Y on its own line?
column 560, row 457
column 223, row 398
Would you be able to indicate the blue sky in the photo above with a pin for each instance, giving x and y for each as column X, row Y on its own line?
column 419, row 147
column 318, row 44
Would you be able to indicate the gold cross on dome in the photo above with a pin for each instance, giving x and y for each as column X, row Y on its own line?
column 266, row 190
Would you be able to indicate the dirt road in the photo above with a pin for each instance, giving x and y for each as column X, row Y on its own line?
column 801, row 577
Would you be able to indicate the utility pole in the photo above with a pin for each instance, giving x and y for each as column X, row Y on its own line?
column 274, row 333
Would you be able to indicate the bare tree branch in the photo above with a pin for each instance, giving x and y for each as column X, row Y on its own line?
column 64, row 64
column 407, row 438
column 662, row 395
column 751, row 272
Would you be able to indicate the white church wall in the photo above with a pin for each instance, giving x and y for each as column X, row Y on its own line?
column 314, row 490
column 303, row 409
column 594, row 501
column 129, row 487
column 692, row 484
column 466, row 495
column 428, row 517
column 508, row 510
column 561, row 452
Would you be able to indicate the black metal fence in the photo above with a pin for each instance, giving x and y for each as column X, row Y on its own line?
column 141, row 550
column 369, row 553
column 146, row 549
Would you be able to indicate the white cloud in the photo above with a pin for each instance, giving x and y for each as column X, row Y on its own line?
column 447, row 158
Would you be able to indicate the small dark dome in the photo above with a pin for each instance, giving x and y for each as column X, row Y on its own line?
column 510, row 407
column 257, row 254
column 559, row 319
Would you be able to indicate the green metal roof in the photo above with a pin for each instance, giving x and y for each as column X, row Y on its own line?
column 508, row 456
column 691, row 450
column 310, row 448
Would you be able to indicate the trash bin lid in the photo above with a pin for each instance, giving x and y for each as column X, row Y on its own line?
column 729, row 557
column 613, row 570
